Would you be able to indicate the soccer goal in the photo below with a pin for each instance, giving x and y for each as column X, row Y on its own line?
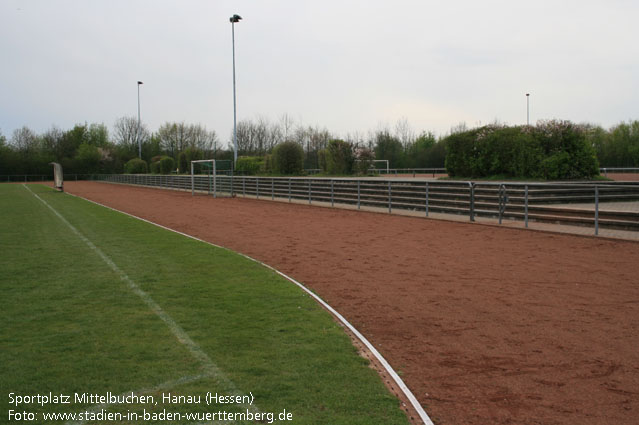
column 372, row 164
column 58, row 180
column 212, row 177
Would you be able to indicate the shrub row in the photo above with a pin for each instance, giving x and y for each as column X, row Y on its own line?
column 553, row 150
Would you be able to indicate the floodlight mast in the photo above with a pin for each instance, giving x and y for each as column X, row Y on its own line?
column 234, row 19
column 137, row 134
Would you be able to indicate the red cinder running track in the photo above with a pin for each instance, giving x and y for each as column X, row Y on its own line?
column 486, row 325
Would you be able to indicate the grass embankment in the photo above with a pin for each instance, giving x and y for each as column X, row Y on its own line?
column 72, row 324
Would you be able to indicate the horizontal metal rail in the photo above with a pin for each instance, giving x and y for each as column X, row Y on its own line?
column 542, row 202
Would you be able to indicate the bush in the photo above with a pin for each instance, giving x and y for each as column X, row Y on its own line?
column 249, row 165
column 552, row 150
column 364, row 161
column 567, row 154
column 288, row 158
column 339, row 157
column 154, row 167
column 167, row 164
column 136, row 166
column 267, row 165
column 389, row 148
column 321, row 160
column 183, row 165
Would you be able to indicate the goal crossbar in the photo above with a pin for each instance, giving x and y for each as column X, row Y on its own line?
column 373, row 161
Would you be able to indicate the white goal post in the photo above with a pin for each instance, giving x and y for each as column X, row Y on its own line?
column 217, row 185
column 212, row 161
column 373, row 161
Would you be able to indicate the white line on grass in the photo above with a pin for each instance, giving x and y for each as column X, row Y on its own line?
column 210, row 368
column 400, row 383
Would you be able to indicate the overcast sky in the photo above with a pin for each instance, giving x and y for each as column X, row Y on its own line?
column 345, row 65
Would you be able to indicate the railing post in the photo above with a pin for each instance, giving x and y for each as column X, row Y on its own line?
column 526, row 206
column 272, row 188
column 358, row 194
column 257, row 187
column 289, row 189
column 390, row 201
column 503, row 199
column 332, row 199
column 596, row 210
column 472, row 201
column 309, row 192
column 426, row 199
column 192, row 180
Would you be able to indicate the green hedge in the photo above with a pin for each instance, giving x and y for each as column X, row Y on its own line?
column 167, row 164
column 553, row 150
column 288, row 158
column 249, row 165
column 136, row 166
column 337, row 158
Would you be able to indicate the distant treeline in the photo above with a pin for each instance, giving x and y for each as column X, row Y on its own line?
column 533, row 151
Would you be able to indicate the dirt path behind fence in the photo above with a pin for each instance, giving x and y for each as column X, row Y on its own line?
column 486, row 325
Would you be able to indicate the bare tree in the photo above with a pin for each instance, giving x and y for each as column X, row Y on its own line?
column 200, row 138
column 25, row 140
column 52, row 141
column 404, row 132
column 286, row 125
column 125, row 132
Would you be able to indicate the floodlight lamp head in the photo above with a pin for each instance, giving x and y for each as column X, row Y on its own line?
column 140, row 82
column 235, row 18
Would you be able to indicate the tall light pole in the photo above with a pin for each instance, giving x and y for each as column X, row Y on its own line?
column 234, row 19
column 137, row 135
column 527, row 108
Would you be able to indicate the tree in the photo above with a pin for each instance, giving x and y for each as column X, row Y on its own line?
column 136, row 166
column 339, row 157
column 404, row 133
column 288, row 158
column 389, row 148
column 98, row 135
column 25, row 140
column 52, row 142
column 125, row 134
column 30, row 157
column 176, row 137
column 87, row 159
column 363, row 160
column 256, row 138
column 418, row 152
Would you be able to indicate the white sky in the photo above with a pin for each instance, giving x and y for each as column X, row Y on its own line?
column 345, row 65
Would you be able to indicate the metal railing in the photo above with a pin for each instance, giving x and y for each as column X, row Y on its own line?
column 617, row 170
column 25, row 178
column 414, row 171
column 540, row 202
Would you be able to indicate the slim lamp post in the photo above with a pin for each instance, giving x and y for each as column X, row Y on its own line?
column 527, row 108
column 234, row 19
column 137, row 135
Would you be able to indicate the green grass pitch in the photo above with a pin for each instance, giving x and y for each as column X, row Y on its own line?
column 95, row 302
